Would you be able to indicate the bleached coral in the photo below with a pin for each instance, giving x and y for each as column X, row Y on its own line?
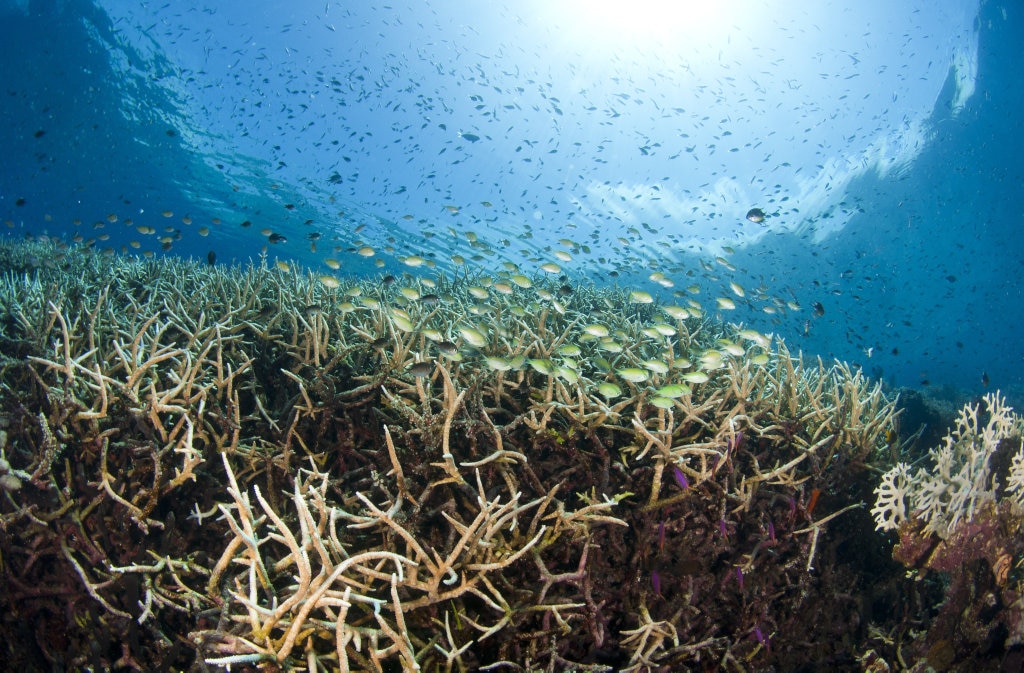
column 890, row 508
column 1015, row 481
column 960, row 480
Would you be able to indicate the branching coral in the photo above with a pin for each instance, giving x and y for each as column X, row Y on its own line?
column 960, row 479
column 248, row 467
column 962, row 517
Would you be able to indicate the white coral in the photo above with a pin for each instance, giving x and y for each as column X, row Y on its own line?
column 960, row 480
column 890, row 508
column 1015, row 481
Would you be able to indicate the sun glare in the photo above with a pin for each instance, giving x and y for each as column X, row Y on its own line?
column 643, row 22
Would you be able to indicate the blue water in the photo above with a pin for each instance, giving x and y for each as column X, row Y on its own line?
column 882, row 142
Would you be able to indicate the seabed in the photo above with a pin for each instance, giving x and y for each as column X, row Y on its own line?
column 209, row 467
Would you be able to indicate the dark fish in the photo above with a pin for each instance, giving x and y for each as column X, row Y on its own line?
column 388, row 279
column 565, row 290
column 40, row 133
column 421, row 369
column 211, row 258
column 379, row 343
column 430, row 299
column 277, row 238
column 471, row 137
column 819, row 310
column 756, row 215
column 447, row 347
column 984, row 379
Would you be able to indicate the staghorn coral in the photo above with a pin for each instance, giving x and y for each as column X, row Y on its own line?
column 248, row 467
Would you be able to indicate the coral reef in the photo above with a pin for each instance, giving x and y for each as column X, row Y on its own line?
column 960, row 480
column 208, row 467
column 961, row 517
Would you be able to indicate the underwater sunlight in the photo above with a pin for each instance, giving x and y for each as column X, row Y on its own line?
column 445, row 335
